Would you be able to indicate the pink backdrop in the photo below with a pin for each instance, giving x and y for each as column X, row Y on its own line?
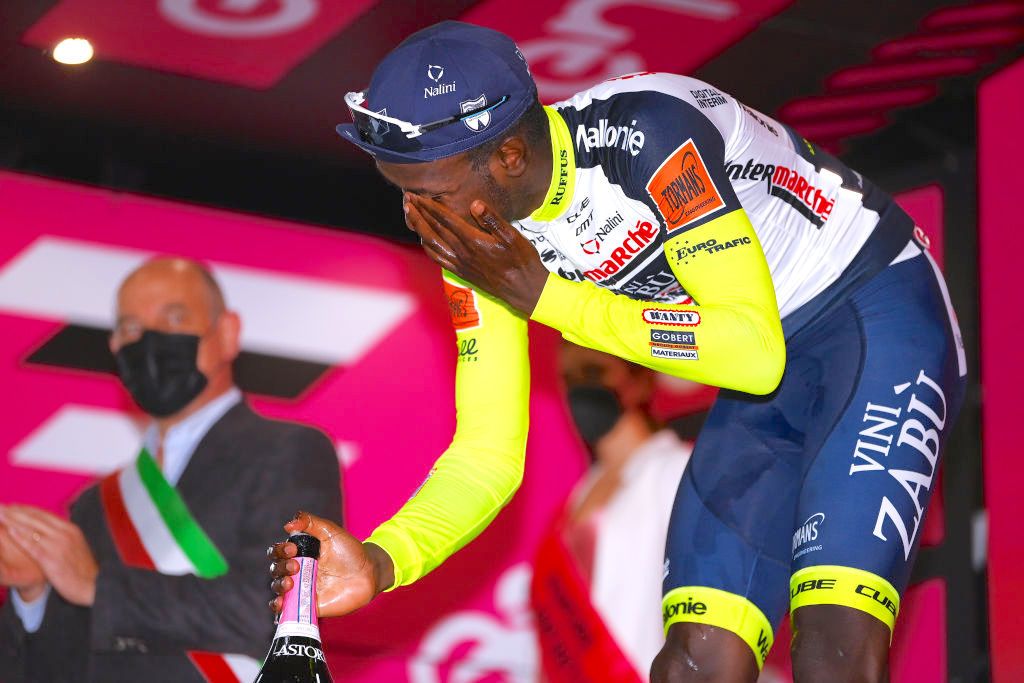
column 389, row 405
column 1000, row 242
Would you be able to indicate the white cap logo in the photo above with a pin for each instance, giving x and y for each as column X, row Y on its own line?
column 477, row 122
column 435, row 73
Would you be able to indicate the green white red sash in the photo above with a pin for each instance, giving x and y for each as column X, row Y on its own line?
column 153, row 529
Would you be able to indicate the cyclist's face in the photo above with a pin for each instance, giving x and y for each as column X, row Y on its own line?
column 506, row 180
column 453, row 182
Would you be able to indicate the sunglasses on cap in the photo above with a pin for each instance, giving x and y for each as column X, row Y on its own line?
column 374, row 126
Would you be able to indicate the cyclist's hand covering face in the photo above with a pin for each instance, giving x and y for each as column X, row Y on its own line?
column 487, row 252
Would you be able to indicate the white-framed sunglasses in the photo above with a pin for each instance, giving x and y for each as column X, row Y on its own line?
column 373, row 126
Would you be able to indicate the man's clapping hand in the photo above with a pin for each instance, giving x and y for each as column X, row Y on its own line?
column 18, row 570
column 55, row 545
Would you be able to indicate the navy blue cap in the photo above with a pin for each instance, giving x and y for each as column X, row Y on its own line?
column 441, row 71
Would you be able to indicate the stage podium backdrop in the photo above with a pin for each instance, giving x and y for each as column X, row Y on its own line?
column 342, row 331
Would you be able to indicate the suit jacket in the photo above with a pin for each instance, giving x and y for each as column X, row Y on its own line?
column 245, row 479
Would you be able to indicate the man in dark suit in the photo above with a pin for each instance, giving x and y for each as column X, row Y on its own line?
column 161, row 573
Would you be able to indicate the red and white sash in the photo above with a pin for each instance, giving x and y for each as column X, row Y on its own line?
column 576, row 645
column 153, row 529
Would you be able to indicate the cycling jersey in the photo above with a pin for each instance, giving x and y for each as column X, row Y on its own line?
column 658, row 155
column 686, row 232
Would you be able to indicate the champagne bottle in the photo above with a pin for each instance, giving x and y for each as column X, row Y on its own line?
column 296, row 655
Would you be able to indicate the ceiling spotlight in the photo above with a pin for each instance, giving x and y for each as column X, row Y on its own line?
column 73, row 51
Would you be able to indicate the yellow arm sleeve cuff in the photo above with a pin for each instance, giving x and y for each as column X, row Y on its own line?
column 733, row 339
column 482, row 468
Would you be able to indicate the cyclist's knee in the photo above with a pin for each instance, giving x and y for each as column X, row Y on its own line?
column 698, row 653
column 839, row 645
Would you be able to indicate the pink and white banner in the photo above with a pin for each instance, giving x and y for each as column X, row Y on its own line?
column 573, row 44
column 246, row 42
column 370, row 317
column 570, row 44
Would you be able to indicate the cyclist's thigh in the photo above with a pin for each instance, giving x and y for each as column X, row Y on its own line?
column 861, row 507
column 728, row 554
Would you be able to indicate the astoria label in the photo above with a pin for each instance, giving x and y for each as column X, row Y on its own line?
column 296, row 650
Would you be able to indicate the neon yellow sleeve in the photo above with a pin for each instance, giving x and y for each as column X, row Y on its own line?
column 481, row 469
column 732, row 339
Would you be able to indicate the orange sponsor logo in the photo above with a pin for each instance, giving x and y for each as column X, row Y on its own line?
column 462, row 306
column 682, row 188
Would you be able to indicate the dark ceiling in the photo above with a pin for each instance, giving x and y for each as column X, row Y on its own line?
column 273, row 151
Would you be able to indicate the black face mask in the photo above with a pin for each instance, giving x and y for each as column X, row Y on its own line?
column 159, row 371
column 595, row 410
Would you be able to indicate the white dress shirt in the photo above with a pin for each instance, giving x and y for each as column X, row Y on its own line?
column 629, row 550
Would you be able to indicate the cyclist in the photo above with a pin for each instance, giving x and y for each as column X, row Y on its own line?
column 655, row 217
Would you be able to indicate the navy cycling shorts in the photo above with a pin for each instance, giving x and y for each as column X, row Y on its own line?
column 815, row 494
